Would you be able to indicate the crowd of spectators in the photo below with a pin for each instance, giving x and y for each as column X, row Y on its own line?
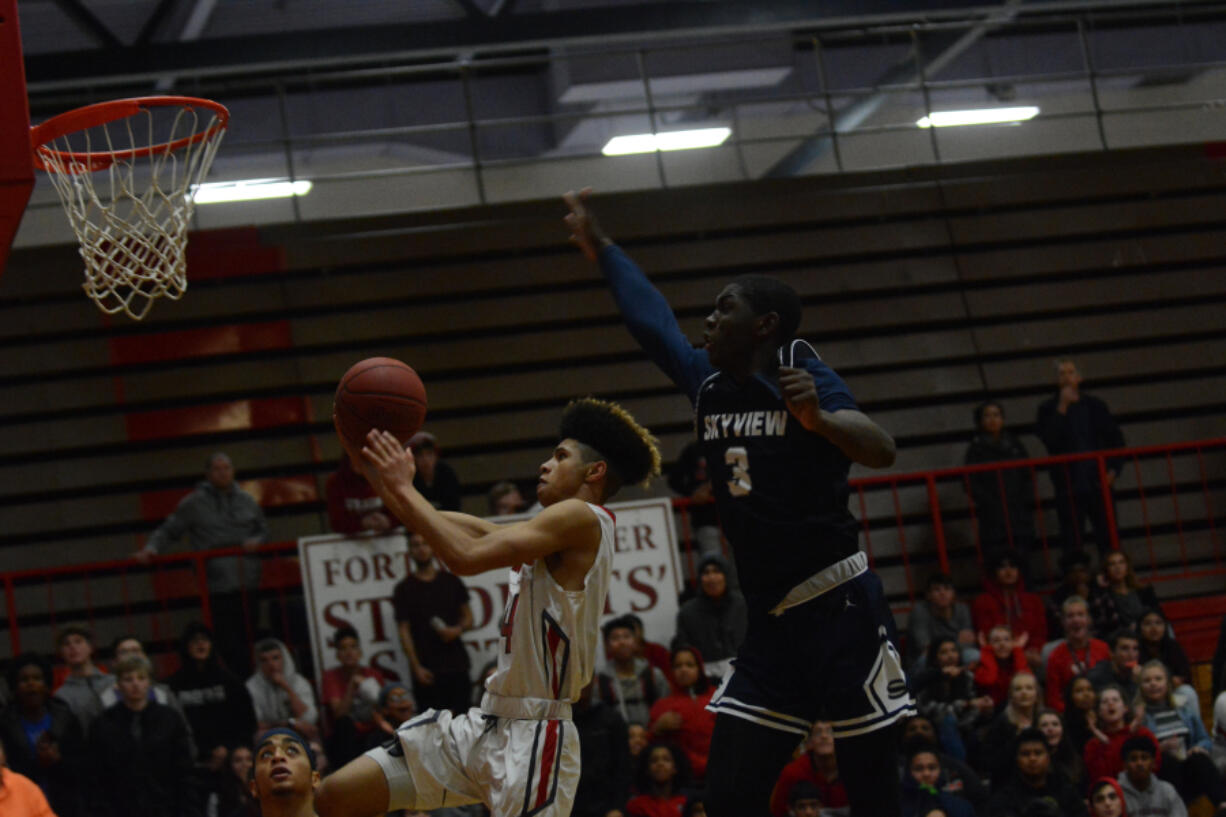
column 1076, row 701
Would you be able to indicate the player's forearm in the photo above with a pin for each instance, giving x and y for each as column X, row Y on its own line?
column 858, row 437
column 471, row 524
column 450, row 541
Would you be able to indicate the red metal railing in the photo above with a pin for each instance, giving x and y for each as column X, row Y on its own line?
column 1169, row 501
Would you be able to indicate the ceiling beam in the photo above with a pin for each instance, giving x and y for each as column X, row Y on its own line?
column 617, row 25
column 90, row 22
column 154, row 22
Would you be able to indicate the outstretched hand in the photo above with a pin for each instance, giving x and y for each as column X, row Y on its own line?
column 388, row 465
column 585, row 232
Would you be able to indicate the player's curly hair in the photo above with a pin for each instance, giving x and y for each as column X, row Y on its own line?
column 608, row 429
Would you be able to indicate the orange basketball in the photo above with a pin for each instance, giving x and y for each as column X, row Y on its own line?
column 382, row 393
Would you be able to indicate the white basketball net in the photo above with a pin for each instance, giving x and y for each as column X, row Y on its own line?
column 132, row 216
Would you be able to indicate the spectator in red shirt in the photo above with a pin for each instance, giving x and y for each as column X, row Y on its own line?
column 663, row 773
column 1005, row 601
column 683, row 716
column 1000, row 658
column 818, row 766
column 353, row 506
column 1110, row 729
column 351, row 694
column 1077, row 654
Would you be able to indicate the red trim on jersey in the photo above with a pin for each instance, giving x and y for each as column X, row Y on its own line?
column 612, row 515
column 547, row 759
column 553, row 637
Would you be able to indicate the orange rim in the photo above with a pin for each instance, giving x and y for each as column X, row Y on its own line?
column 102, row 113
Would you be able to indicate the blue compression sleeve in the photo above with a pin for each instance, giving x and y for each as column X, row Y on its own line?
column 651, row 321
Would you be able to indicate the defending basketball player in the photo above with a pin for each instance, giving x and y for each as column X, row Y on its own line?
column 779, row 429
column 519, row 752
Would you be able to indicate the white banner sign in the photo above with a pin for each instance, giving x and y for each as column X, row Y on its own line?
column 349, row 581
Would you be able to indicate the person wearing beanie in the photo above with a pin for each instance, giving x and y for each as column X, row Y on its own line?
column 1144, row 794
column 284, row 774
column 804, row 800
column 715, row 620
column 215, row 701
column 86, row 683
column 1107, row 799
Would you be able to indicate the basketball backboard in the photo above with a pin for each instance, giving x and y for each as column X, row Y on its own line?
column 16, row 164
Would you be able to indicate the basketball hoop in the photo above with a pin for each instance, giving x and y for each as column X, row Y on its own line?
column 147, row 156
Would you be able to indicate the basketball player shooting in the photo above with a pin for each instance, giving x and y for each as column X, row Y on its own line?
column 779, row 429
column 519, row 752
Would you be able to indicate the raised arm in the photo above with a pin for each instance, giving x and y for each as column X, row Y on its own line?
column 568, row 526
column 645, row 311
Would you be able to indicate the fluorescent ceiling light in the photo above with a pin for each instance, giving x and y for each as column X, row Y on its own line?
column 980, row 116
column 675, row 140
column 248, row 190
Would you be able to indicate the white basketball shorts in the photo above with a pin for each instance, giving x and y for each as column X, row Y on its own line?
column 518, row 768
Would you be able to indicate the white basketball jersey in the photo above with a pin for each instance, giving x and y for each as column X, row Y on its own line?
column 550, row 635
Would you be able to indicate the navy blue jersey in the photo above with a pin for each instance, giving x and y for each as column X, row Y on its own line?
column 780, row 489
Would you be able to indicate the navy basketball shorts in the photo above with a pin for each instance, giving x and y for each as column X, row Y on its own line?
column 833, row 658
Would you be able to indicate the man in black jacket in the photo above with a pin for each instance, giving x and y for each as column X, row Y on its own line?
column 215, row 701
column 1033, row 780
column 1072, row 422
column 141, row 754
column 604, row 750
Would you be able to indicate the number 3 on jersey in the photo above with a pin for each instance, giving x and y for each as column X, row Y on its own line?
column 737, row 458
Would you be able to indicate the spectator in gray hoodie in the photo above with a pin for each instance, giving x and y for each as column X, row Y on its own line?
column 85, row 685
column 1144, row 794
column 715, row 620
column 219, row 514
column 280, row 695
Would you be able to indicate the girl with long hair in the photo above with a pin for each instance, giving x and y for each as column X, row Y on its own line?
column 661, row 778
column 1020, row 712
column 683, row 717
column 1080, row 711
column 1157, row 643
column 1066, row 758
column 1117, row 597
